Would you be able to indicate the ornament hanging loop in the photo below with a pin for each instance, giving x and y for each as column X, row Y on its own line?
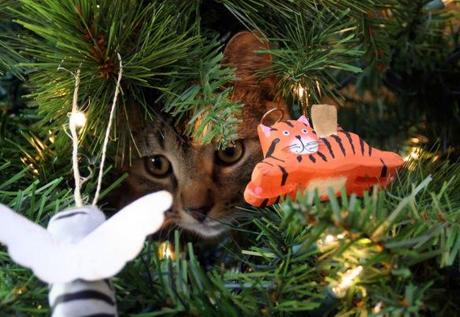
column 269, row 112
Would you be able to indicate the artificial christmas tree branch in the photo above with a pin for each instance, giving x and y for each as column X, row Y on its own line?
column 392, row 252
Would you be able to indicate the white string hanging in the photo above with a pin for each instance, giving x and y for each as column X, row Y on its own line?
column 74, row 136
column 107, row 133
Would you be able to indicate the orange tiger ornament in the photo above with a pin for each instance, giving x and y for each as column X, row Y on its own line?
column 296, row 159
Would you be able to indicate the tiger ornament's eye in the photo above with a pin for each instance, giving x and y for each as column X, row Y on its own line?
column 231, row 154
column 158, row 166
column 304, row 131
column 286, row 132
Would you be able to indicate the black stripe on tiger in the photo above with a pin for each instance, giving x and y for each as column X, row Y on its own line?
column 267, row 163
column 82, row 295
column 299, row 158
column 361, row 144
column 284, row 176
column 312, row 158
column 370, row 150
column 277, row 200
column 289, row 124
column 339, row 142
column 384, row 172
column 271, row 149
column 329, row 147
column 321, row 155
column 350, row 140
column 264, row 203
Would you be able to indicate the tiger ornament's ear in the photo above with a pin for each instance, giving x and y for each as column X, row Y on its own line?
column 244, row 52
column 304, row 120
column 264, row 129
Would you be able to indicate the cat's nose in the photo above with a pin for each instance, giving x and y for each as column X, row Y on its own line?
column 199, row 213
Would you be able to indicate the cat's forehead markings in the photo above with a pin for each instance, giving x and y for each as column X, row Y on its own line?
column 289, row 123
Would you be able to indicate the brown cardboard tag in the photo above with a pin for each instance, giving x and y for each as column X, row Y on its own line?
column 324, row 118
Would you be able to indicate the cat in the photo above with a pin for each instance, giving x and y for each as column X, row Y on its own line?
column 207, row 183
column 295, row 158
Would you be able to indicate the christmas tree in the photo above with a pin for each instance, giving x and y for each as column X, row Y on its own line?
column 392, row 68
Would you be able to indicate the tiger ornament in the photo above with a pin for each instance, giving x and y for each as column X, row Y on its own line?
column 297, row 159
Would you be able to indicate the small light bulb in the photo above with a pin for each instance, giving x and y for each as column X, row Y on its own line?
column 300, row 91
column 329, row 240
column 347, row 280
column 166, row 251
column 414, row 154
column 77, row 119
column 377, row 308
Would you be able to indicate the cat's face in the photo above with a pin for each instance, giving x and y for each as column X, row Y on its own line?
column 207, row 184
column 292, row 136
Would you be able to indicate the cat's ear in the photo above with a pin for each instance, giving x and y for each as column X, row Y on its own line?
column 304, row 120
column 263, row 129
column 243, row 53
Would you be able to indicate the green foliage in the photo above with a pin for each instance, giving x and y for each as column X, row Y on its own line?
column 406, row 239
column 9, row 46
column 312, row 44
column 310, row 52
column 20, row 293
column 413, row 81
column 85, row 35
column 206, row 102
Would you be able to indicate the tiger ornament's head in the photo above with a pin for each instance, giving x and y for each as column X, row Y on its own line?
column 291, row 136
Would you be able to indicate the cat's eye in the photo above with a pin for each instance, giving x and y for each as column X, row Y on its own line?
column 230, row 155
column 158, row 165
column 286, row 132
column 304, row 131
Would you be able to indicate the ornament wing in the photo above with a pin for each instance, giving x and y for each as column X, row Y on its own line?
column 31, row 246
column 106, row 250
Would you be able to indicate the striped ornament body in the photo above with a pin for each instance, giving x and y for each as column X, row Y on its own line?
column 80, row 298
column 295, row 159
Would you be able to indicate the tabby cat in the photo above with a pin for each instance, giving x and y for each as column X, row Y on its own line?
column 208, row 183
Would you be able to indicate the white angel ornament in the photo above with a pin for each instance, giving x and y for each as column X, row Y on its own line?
column 81, row 250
